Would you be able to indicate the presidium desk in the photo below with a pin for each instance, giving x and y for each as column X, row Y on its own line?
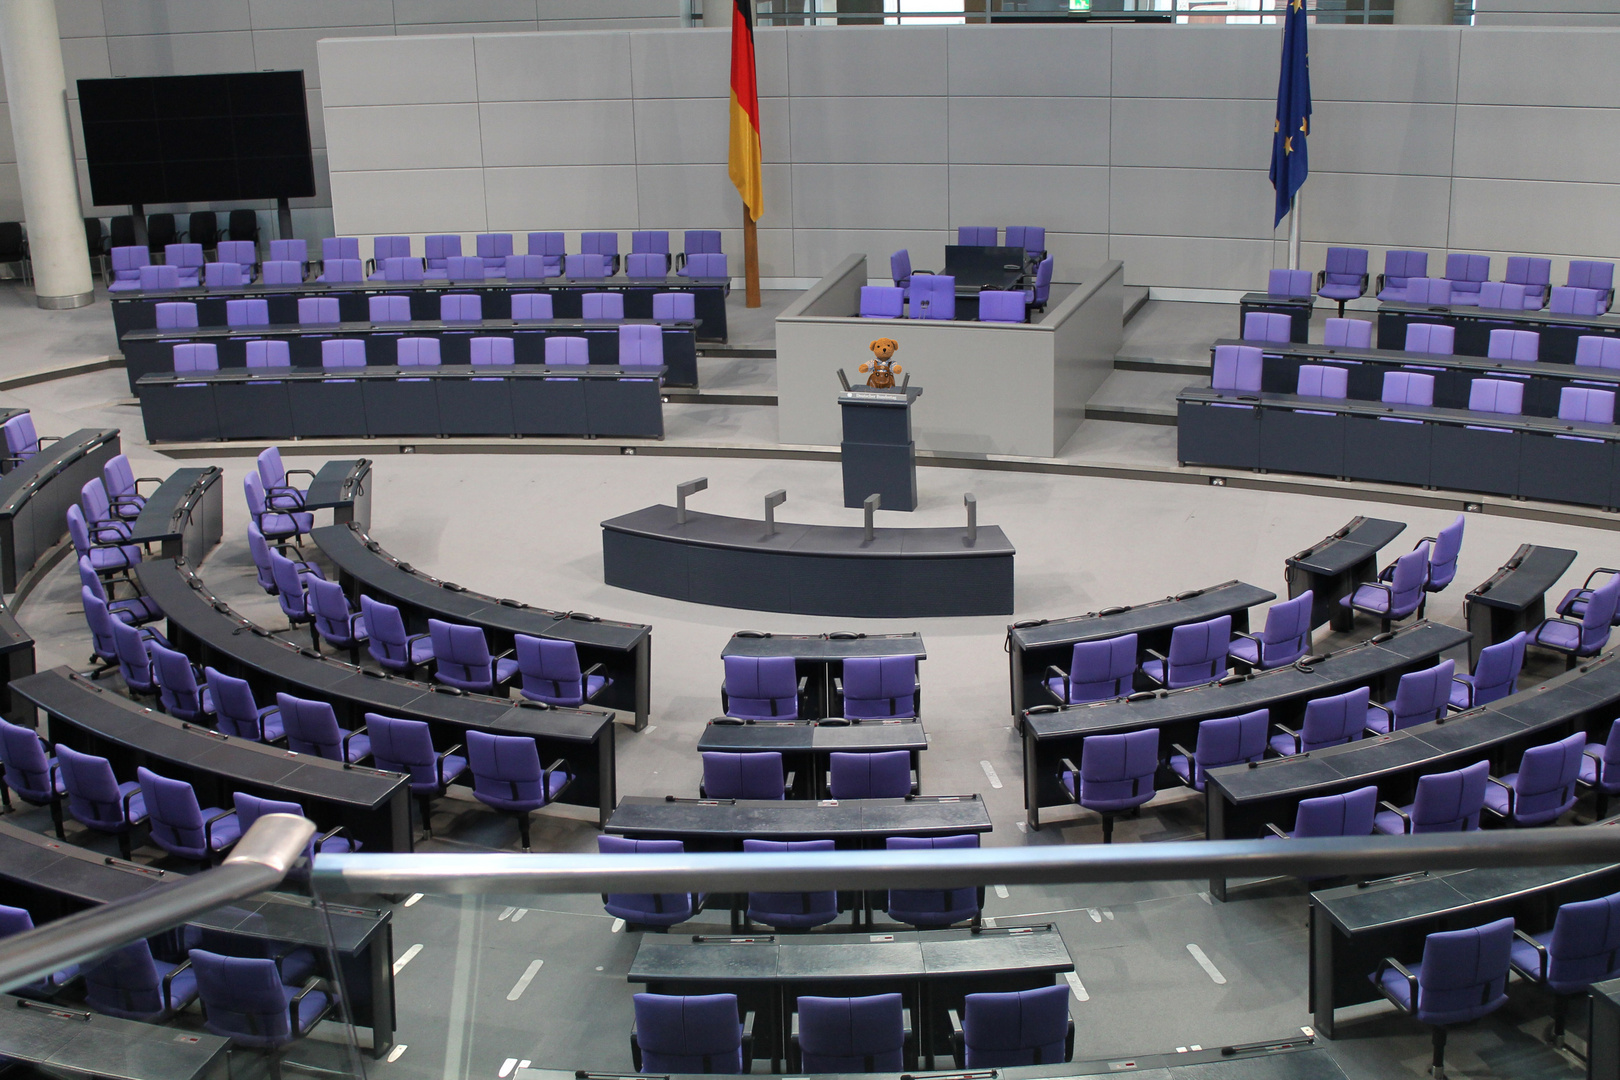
column 810, row 569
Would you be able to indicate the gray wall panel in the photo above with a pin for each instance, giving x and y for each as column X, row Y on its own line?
column 1376, row 210
column 1378, row 63
column 1195, row 62
column 816, row 251
column 850, row 130
column 1538, row 144
column 84, row 58
column 666, row 66
column 397, row 71
column 1029, row 130
column 284, row 14
column 687, row 131
column 1537, row 67
column 434, row 11
column 1208, row 133
column 412, row 201
column 1071, row 198
column 404, row 137
column 80, row 18
column 543, row 67
column 567, row 196
column 288, row 50
column 870, row 197
column 679, row 197
column 181, row 54
column 1527, row 216
column 1190, row 202
column 1382, row 137
column 829, row 62
column 175, row 16
column 557, row 133
column 1029, row 60
column 1181, row 262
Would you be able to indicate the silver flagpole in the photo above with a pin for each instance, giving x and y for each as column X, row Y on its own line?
column 1293, row 231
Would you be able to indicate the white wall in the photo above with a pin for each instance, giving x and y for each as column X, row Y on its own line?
column 1547, row 13
column 1148, row 144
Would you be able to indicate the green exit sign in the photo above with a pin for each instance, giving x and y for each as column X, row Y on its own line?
column 1079, row 5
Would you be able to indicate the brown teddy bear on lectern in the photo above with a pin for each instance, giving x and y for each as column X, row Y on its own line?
column 882, row 365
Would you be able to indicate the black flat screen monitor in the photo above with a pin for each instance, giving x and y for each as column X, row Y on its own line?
column 197, row 138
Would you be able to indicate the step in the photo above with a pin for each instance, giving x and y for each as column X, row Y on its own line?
column 1166, row 366
column 1138, row 397
column 1135, row 297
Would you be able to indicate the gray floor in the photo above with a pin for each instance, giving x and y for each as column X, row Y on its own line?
column 527, row 526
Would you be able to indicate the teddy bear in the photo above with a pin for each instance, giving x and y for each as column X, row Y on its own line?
column 882, row 365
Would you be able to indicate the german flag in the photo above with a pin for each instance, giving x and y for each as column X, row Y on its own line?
column 745, row 156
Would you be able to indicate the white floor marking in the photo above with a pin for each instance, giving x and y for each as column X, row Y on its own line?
column 1077, row 986
column 523, row 982
column 1023, row 826
column 649, row 729
column 1204, row 896
column 410, row 901
column 990, row 773
column 506, row 913
column 989, row 921
column 393, row 1055
column 406, row 957
column 522, row 911
column 1109, row 915
column 599, row 967
column 1001, row 891
column 506, row 1067
column 618, row 924
column 1096, row 916
column 525, row 1063
column 1204, row 962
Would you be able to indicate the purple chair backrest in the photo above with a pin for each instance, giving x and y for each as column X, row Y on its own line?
column 493, row 247
column 1450, row 801
column 1502, row 295
column 885, row 775
column 1350, row 814
column 1024, row 1027
column 1466, row 272
column 544, row 244
column 567, row 349
column 237, row 712
column 706, row 265
column 1523, row 346
column 1043, row 280
column 439, row 249
column 343, row 353
column 1237, row 368
column 1443, row 555
column 1408, row 388
column 464, row 268
column 461, row 653
column 1423, row 695
column 389, row 308
column 1434, row 291
column 1586, row 404
column 27, row 766
column 172, row 804
column 403, row 746
column 586, row 265
column 1546, row 781
column 999, row 306
column 649, row 242
column 675, row 306
column 885, row 302
column 1401, row 266
column 1599, row 613
column 641, row 345
column 692, row 1034
column 762, row 687
column 552, row 665
column 188, row 256
column 524, row 267
column 1433, row 338
column 1496, row 675
column 1505, row 396
column 1406, row 585
column 900, row 266
column 1592, row 351
column 1526, row 270
column 531, row 306
column 1198, row 651
column 1287, row 635
column 1345, row 266
column 1102, row 669
column 249, row 312
column 1032, row 238
column 491, row 350
column 318, row 310
column 1585, row 945
column 417, row 352
column 91, row 786
column 127, row 262
column 1565, row 301
column 311, row 727
column 196, row 357
column 1348, row 334
column 702, row 241
column 284, row 272
column 334, row 248
column 880, row 686
column 398, row 268
column 839, row 1034
column 461, row 307
column 1266, row 326
column 386, row 629
column 1288, row 283
column 241, row 252
column 1230, row 740
column 293, row 250
column 644, row 264
column 177, row 315
column 665, row 902
column 1332, row 721
column 976, row 235
column 742, row 776
column 384, row 248
column 344, row 270
column 1464, row 973
column 1586, row 274
column 1316, row 380
column 602, row 305
column 223, row 275
column 599, row 243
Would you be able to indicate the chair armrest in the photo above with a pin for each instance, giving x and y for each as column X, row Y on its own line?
column 1611, row 571
column 294, row 472
column 1387, row 590
column 315, row 983
column 1251, row 637
column 1541, row 955
column 1290, row 732
column 270, row 493
column 1278, row 833
column 1068, row 1041
column 439, row 761
column 1398, row 812
column 560, row 765
column 361, row 730
column 749, row 1021
column 125, row 801
column 1385, row 710
column 958, row 1039
column 1183, row 751
column 321, row 840
column 260, row 719
column 1469, row 687
column 1510, row 793
column 592, row 670
column 787, row 780
column 208, row 827
column 1321, row 279
column 635, row 1045
column 1411, row 982
column 168, row 982
column 139, row 480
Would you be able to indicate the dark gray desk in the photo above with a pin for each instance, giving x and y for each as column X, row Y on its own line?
column 136, row 310
column 1513, row 598
column 185, row 515
column 1532, row 457
column 16, row 661
column 151, row 352
column 52, row 878
column 819, row 657
column 1052, row 734
column 210, row 632
column 809, row 569
column 723, row 824
column 1241, row 801
column 623, row 649
column 1034, row 646
column 805, row 745
column 933, row 969
column 35, row 495
column 370, row 805
column 1332, row 568
column 1355, row 927
column 1474, row 326
column 403, row 401
column 1297, row 308
column 1603, row 1034
column 343, row 487
column 68, row 1039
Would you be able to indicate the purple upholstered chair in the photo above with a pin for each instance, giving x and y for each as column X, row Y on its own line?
column 794, row 910
column 387, row 641
column 729, row 775
column 882, row 301
column 108, row 557
column 652, row 242
column 188, row 260
column 318, row 310
column 1420, row 698
column 531, row 307
column 873, row 687
column 1463, row 976
column 1502, row 396
column 1197, row 654
column 882, row 775
column 439, row 250
column 337, row 353
column 1231, row 740
column 492, row 249
column 236, row 713
column 586, row 267
column 551, row 672
column 1408, row 388
column 976, row 235
column 134, row 662
column 1116, row 774
column 465, row 268
column 312, row 728
column 1543, row 790
column 401, row 270
column 293, row 250
column 1600, row 768
column 999, row 306
column 179, row 692
column 343, row 271
column 522, row 268
column 644, row 266
column 292, row 590
column 416, row 352
column 180, row 825
column 461, row 307
column 699, row 242
column 690, row 1034
column 283, row 272
column 1320, row 380
column 250, row 312
column 852, row 1035
column 129, row 984
column 388, row 309
column 1236, row 368
column 95, row 798
column 1267, row 326
column 1582, row 948
column 23, row 442
column 462, row 659
column 563, row 350
column 1586, row 636
column 1286, row 638
column 932, row 296
column 761, row 688
column 1040, row 290
column 1585, row 303
column 1445, row 802
column 406, row 746
column 245, row 1000
column 705, row 265
column 1397, row 596
column 1432, row 338
column 1519, row 346
column 1533, row 276
column 225, row 275
column 159, row 278
column 202, row 356
column 336, row 624
column 1595, row 278
column 1585, row 404
column 1348, row 334
column 250, row 808
column 1023, row 1027
column 1501, row 296
column 641, row 345
column 1290, row 283
column 126, row 267
column 934, row 909
column 551, row 247
column 1350, row 814
column 648, row 909
column 1466, row 273
column 30, row 771
column 1598, row 352
column 136, row 610
column 677, row 306
column 123, row 487
column 1032, row 238
column 176, row 315
column 1496, row 674
column 605, row 244
column 507, row 776
column 1098, row 670
column 1345, row 276
column 1575, row 600
column 1434, row 292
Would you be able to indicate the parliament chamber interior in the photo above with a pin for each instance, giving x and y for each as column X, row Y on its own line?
column 1097, row 633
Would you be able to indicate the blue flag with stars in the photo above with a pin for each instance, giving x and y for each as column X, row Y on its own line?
column 1289, row 163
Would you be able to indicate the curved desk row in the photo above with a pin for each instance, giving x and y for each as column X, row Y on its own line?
column 817, row 657
column 809, row 569
column 1559, row 333
column 210, row 632
column 403, row 401
column 1052, row 734
column 1529, row 456
column 1240, row 801
column 1331, row 568
column 1513, row 598
column 623, row 649
column 1453, row 375
column 35, row 495
column 723, row 824
column 371, row 806
column 151, row 352
column 16, row 660
column 807, row 746
column 1038, row 644
column 138, row 310
column 185, row 515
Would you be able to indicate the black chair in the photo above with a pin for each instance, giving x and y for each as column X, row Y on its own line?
column 161, row 231
column 123, row 232
column 244, row 225
column 14, row 248
column 203, row 228
column 95, row 238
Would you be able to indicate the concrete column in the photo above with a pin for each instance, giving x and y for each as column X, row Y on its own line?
column 36, row 90
column 1423, row 12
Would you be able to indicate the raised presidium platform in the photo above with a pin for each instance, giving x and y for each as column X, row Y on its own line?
column 151, row 352
column 138, row 310
column 35, row 495
column 1558, row 333
column 1052, row 734
column 403, row 401
column 809, row 569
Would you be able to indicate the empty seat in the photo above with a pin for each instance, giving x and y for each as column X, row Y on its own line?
column 1098, row 670
column 1501, row 295
column 677, row 306
column 605, row 244
column 699, row 242
column 1592, row 351
column 292, row 250
column 464, row 268
column 236, row 713
column 876, row 775
column 1585, row 404
column 1231, row 740
column 1543, row 788
column 176, row 315
column 283, row 272
column 180, row 825
column 406, row 746
column 651, row 242
column 1197, row 654
column 1266, row 326
column 1350, row 814
column 602, row 305
column 416, row 352
column 550, row 248
column 492, row 249
column 791, row 910
column 1421, row 697
column 1435, row 292
column 95, row 798
column 1593, row 276
column 1504, row 396
column 1116, row 774
column 583, row 267
column 998, row 306
column 438, row 250
column 648, row 909
column 384, row 248
column 196, row 357
column 1288, row 283
column 462, row 659
column 1344, row 278
column 1399, row 590
column 1445, row 802
column 1496, row 674
column 1432, row 338
column 851, row 1034
column 241, row 252
column 705, row 265
column 531, row 306
column 1466, row 274
column 761, row 688
column 744, row 776
column 934, row 908
column 187, row 260
column 878, row 687
column 1407, row 388
column 1329, row 721
column 1287, row 634
column 1237, row 368
column 159, row 278
column 1463, row 976
column 641, row 345
column 976, row 235
column 1520, row 346
column 1032, row 238
column 491, row 351
column 690, row 1034
column 1348, row 334
column 461, row 307
column 249, row 312
column 882, row 301
column 126, row 267
column 1316, row 380
column 508, row 776
column 342, row 270
column 220, row 275
column 1582, row 948
column 645, row 265
column 523, row 268
column 1534, row 278
column 387, row 640
column 343, row 353
column 312, row 728
column 564, row 349
column 1024, row 1027
column 401, row 269
column 1040, row 289
column 389, row 309
column 334, row 248
column 1586, row 303
column 551, row 672
column 1400, row 267
column 1578, row 636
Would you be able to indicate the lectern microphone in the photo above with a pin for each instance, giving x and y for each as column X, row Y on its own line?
column 691, row 487
column 772, row 501
column 844, row 379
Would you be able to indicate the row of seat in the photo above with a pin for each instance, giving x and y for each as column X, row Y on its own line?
column 453, row 307
column 933, row 296
column 1588, row 287
column 759, row 774
column 766, row 688
column 202, row 227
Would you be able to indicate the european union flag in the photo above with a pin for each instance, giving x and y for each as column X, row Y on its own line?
column 1289, row 164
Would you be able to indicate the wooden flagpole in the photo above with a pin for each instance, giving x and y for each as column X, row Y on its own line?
column 750, row 260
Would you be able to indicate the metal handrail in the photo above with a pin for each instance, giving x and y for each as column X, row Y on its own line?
column 259, row 861
column 1065, row 864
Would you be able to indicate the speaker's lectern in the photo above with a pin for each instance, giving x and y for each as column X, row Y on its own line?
column 878, row 453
